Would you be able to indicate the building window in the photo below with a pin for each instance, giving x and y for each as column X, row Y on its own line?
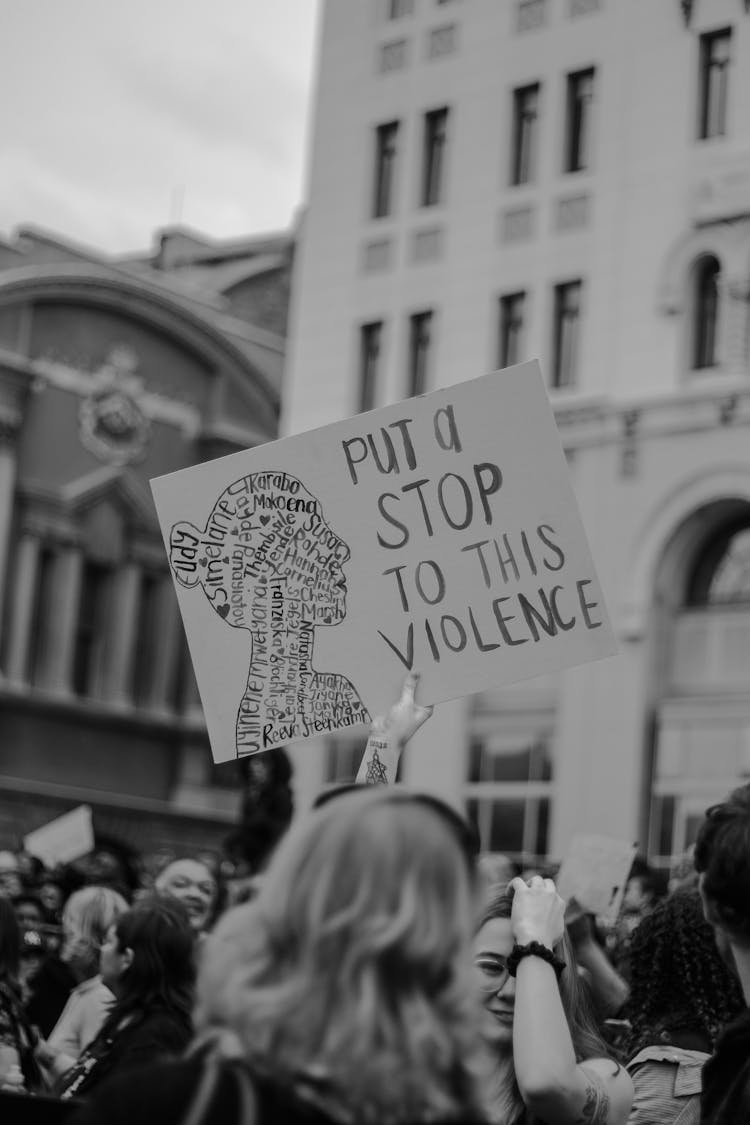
column 578, row 128
column 530, row 14
column 41, row 614
column 524, row 135
column 721, row 574
column 420, row 331
column 91, row 627
column 369, row 354
column 705, row 313
column 511, row 328
column 385, row 168
column 397, row 9
column 344, row 759
column 508, row 794
column 714, row 83
column 146, row 633
column 433, row 157
column 701, row 750
column 566, row 331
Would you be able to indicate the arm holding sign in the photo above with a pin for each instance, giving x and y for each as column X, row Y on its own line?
column 556, row 1084
column 389, row 735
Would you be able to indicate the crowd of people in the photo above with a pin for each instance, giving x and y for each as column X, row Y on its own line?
column 379, row 972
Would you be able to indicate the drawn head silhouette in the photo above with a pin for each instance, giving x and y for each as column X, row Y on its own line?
column 265, row 542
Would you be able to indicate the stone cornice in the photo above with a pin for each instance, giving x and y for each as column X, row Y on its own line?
column 203, row 328
column 724, row 401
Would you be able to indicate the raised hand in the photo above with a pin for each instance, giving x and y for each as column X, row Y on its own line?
column 538, row 912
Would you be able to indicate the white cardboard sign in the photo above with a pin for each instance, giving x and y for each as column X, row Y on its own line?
column 439, row 534
column 595, row 872
column 63, row 840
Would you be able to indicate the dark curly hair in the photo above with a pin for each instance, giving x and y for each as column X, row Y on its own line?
column 679, row 982
column 722, row 856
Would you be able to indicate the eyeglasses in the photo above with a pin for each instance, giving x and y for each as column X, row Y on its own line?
column 493, row 972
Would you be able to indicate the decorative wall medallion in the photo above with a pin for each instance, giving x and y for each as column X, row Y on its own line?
column 112, row 424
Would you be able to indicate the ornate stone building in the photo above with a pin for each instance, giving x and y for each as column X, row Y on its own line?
column 567, row 180
column 113, row 372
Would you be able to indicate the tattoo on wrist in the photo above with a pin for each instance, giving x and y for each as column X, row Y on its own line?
column 376, row 772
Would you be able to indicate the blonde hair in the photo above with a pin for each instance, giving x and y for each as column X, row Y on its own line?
column 86, row 917
column 350, row 975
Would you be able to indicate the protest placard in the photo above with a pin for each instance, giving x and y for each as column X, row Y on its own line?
column 440, row 534
column 62, row 840
column 595, row 872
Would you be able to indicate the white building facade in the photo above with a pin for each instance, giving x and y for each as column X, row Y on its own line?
column 496, row 180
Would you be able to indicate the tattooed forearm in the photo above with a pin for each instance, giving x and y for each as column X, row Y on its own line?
column 596, row 1105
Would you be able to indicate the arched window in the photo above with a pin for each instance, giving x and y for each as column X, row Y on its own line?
column 721, row 575
column 702, row 728
column 705, row 313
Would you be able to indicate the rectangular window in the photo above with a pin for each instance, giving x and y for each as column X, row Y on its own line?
column 145, row 640
column 714, row 83
column 397, row 9
column 91, row 627
column 420, row 331
column 344, row 759
column 41, row 615
column 524, row 135
column 433, row 156
column 510, row 329
column 508, row 793
column 369, row 354
column 566, row 332
column 385, row 169
column 578, row 116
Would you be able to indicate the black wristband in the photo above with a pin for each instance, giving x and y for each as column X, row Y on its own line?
column 533, row 949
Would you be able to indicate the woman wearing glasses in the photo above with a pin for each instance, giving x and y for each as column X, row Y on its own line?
column 552, row 1064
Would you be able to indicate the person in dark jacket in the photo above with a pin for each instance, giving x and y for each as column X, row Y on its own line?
column 722, row 860
column 343, row 992
column 147, row 961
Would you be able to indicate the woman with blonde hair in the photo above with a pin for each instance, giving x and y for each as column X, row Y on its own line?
column 552, row 1066
column 87, row 916
column 344, row 991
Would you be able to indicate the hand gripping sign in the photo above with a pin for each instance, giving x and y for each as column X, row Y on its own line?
column 439, row 535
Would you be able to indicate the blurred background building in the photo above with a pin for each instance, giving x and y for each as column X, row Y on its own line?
column 112, row 372
column 568, row 180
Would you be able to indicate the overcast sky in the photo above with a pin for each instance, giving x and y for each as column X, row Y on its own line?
column 117, row 118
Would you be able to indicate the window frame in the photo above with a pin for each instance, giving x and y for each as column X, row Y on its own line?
column 712, row 114
column 434, row 146
column 511, row 327
column 384, row 172
column 420, row 349
column 370, row 345
column 704, row 328
column 565, row 372
column 533, row 732
column 578, row 119
column 524, row 136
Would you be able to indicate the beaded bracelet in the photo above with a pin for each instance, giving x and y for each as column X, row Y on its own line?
column 534, row 949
